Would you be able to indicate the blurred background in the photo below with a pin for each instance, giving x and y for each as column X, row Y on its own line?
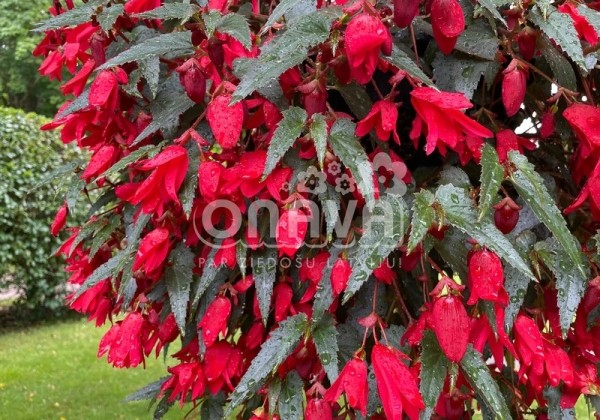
column 48, row 364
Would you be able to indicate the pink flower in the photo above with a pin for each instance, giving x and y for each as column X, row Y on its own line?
column 440, row 115
column 382, row 117
column 366, row 36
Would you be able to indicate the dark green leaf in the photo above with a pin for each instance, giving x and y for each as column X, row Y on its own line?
column 110, row 268
column 283, row 52
column 560, row 28
column 460, row 212
column 235, row 25
column 434, row 368
column 274, row 351
column 286, row 133
column 401, row 60
column 291, row 397
column 109, row 16
column 324, row 294
column 454, row 74
column 325, row 337
column 306, row 7
column 383, row 232
column 130, row 158
column 181, row 11
column 210, row 273
column 75, row 16
column 570, row 282
column 67, row 168
column 555, row 411
column 357, row 99
column 150, row 71
column 178, row 278
column 346, row 146
column 423, row 216
column 515, row 284
column 190, row 184
column 492, row 175
column 561, row 67
column 478, row 40
column 149, row 392
column 173, row 44
column 492, row 7
column 241, row 255
column 453, row 250
column 455, row 176
column 486, row 388
column 330, row 201
column 533, row 191
column 318, row 134
column 264, row 272
column 103, row 234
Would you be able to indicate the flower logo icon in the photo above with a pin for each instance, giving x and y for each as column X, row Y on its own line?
column 312, row 181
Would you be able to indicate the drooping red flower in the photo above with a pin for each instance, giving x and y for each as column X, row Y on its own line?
column 291, row 230
column 486, row 278
column 101, row 160
column 185, row 378
column 214, row 321
column 366, row 36
column 124, row 340
column 104, row 91
column 591, row 193
column 506, row 215
column 514, row 87
column 382, row 117
column 448, row 22
column 168, row 172
column 153, row 251
column 340, row 273
column 405, row 11
column 526, row 40
column 317, row 409
column 59, row 220
column 585, row 122
column 507, row 140
column 193, row 80
column 396, row 384
column 548, row 124
column 450, row 323
column 584, row 29
column 440, row 115
column 353, row 382
column 225, row 120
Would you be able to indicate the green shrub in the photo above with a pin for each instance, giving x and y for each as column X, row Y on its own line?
column 27, row 209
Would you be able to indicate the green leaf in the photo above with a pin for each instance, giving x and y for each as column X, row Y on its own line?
column 553, row 396
column 453, row 250
column 532, row 190
column 286, row 133
column 570, row 282
column 434, row 368
column 383, row 232
column 67, row 168
column 401, row 60
column 478, row 40
column 318, row 134
column 190, row 184
column 178, row 278
column 110, row 268
column 492, row 175
column 103, row 234
column 492, row 7
column 357, row 99
column 485, row 386
column 130, row 158
column 282, row 53
column 181, row 11
column 330, row 202
column 285, row 6
column 423, row 216
column 457, row 74
column 324, row 294
column 241, row 255
column 150, row 71
column 560, row 28
column 109, row 15
column 561, row 67
column 273, row 393
column 460, row 212
column 325, row 337
column 347, row 147
column 149, row 392
column 75, row 16
column 171, row 101
column 515, row 284
column 173, row 44
column 236, row 25
column 264, row 273
column 210, row 274
column 291, row 397
column 280, row 344
column 455, row 176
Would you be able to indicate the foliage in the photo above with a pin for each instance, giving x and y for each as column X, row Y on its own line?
column 381, row 200
column 20, row 84
column 27, row 208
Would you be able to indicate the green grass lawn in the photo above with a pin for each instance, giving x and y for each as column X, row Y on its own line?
column 51, row 372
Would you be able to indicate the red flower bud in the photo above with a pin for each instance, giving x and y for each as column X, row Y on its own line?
column 291, row 230
column 59, row 220
column 486, row 277
column 317, row 409
column 547, row 128
column 506, row 215
column 214, row 321
column 526, row 41
column 514, row 86
column 340, row 273
column 225, row 121
column 193, row 81
column 405, row 11
column 448, row 22
column 450, row 324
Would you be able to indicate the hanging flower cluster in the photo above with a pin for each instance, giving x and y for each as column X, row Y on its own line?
column 334, row 208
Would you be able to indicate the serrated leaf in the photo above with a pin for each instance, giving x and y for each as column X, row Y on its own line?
column 110, row 268
column 347, row 147
column 273, row 394
column 78, row 104
column 190, row 184
column 150, row 71
column 533, row 191
column 485, row 386
column 210, row 273
column 455, row 176
column 282, row 53
column 264, row 273
column 453, row 250
column 178, row 278
column 75, row 16
column 241, row 256
column 129, row 159
column 149, row 392
column 324, row 295
column 570, row 282
column 454, row 74
column 423, row 216
column 62, row 170
column 172, row 44
column 318, row 134
column 109, row 15
column 291, row 397
column 460, row 212
column 515, row 284
column 492, row 7
column 325, row 337
column 182, row 11
column 236, row 25
column 478, row 40
column 330, row 202
column 286, row 133
column 401, row 60
column 357, row 99
column 285, row 6
column 561, row 67
column 103, row 234
column 560, row 28
column 434, row 368
column 280, row 344
column 492, row 175
column 377, row 241
column 171, row 101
